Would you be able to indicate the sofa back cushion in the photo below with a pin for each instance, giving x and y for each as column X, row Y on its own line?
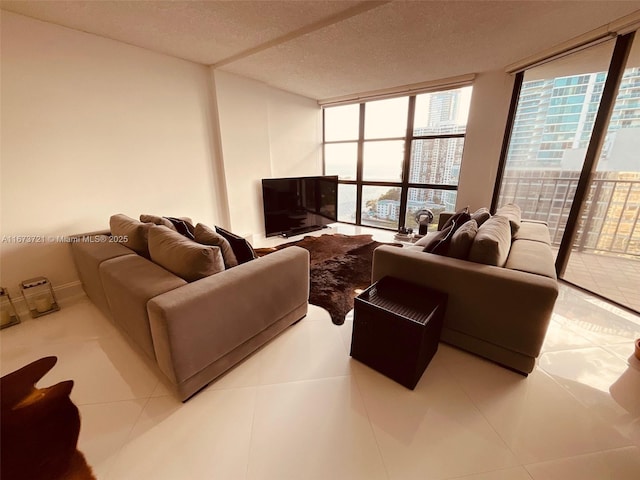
column 481, row 215
column 462, row 240
column 131, row 233
column 513, row 213
column 156, row 220
column 183, row 257
column 208, row 236
column 492, row 242
column 531, row 230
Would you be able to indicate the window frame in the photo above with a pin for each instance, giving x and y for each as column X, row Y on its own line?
column 409, row 138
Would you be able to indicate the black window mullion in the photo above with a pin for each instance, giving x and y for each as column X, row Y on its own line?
column 359, row 166
column 404, row 184
column 438, row 136
column 406, row 164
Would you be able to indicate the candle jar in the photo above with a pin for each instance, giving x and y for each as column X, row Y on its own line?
column 8, row 314
column 39, row 296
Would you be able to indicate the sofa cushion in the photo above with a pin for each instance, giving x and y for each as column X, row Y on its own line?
column 156, row 220
column 183, row 257
column 533, row 231
column 462, row 240
column 208, row 236
column 481, row 215
column 513, row 213
column 531, row 256
column 241, row 248
column 131, row 233
column 492, row 242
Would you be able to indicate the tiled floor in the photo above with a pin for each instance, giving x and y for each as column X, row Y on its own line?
column 301, row 408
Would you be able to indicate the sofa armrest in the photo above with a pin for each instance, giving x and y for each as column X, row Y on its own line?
column 505, row 307
column 198, row 323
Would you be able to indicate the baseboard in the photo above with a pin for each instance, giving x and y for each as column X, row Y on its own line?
column 65, row 294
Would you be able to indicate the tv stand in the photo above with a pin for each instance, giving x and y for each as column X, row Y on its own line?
column 297, row 231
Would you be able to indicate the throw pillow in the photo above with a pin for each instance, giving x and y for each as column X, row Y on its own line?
column 156, row 220
column 439, row 243
column 492, row 242
column 513, row 213
column 208, row 236
column 241, row 248
column 182, row 226
column 481, row 215
column 131, row 233
column 183, row 257
column 460, row 217
column 462, row 240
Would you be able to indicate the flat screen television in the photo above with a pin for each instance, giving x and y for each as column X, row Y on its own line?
column 299, row 204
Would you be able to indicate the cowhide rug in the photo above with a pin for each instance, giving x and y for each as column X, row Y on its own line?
column 340, row 265
column 40, row 428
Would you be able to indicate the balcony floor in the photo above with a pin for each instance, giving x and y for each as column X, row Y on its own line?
column 616, row 278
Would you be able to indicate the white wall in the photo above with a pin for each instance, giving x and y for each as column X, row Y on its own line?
column 265, row 133
column 92, row 127
column 295, row 133
column 483, row 142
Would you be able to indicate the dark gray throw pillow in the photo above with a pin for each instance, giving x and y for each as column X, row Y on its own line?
column 241, row 248
column 461, row 217
column 439, row 244
column 182, row 227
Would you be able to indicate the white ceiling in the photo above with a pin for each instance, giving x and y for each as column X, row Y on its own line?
column 324, row 49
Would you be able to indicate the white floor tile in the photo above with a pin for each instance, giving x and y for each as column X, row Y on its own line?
column 311, row 349
column 431, row 432
column 103, row 370
column 104, row 430
column 621, row 464
column 207, row 437
column 310, row 430
column 560, row 336
column 77, row 322
column 535, row 416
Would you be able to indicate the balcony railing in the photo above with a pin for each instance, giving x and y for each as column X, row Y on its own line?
column 609, row 221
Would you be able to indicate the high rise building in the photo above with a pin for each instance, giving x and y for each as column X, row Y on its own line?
column 437, row 161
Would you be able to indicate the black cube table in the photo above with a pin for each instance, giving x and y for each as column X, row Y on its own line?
column 396, row 328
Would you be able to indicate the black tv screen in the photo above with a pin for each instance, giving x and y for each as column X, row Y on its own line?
column 299, row 204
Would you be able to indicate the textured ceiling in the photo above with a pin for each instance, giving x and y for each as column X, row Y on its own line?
column 324, row 49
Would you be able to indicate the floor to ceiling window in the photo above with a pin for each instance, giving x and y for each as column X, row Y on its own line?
column 572, row 161
column 396, row 156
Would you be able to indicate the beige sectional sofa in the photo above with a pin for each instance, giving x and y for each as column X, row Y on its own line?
column 500, row 312
column 193, row 331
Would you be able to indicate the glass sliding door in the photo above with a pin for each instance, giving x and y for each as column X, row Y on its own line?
column 572, row 160
column 551, row 131
column 605, row 254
